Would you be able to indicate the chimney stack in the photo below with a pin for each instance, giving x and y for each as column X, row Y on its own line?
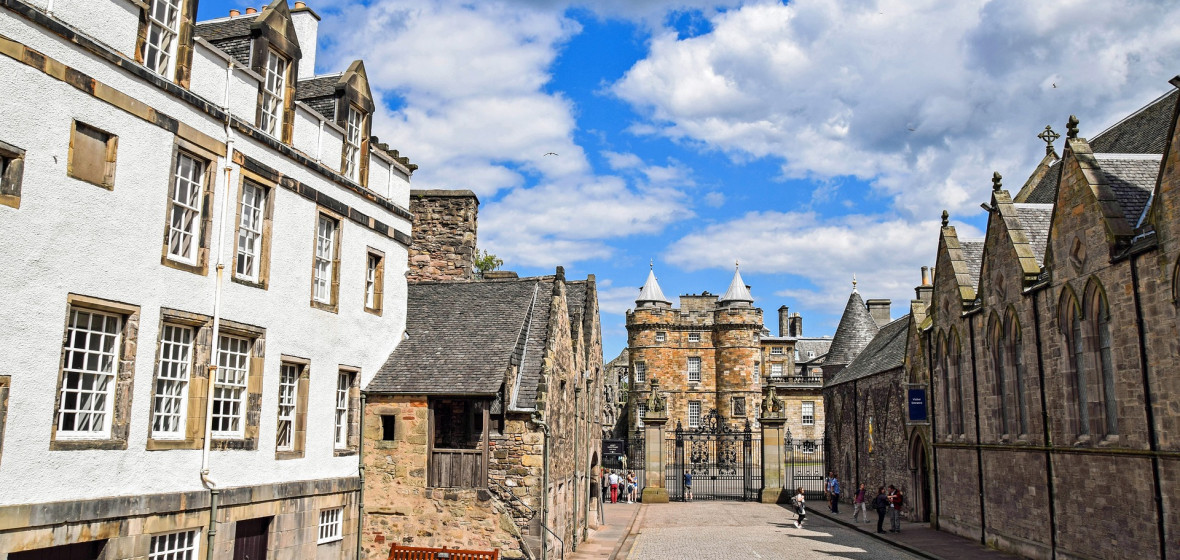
column 879, row 310
column 251, row 10
column 307, row 29
column 235, row 13
column 784, row 321
column 796, row 326
column 925, row 292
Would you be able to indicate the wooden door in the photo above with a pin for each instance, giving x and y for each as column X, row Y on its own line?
column 250, row 539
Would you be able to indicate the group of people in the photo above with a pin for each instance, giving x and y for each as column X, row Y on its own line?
column 885, row 502
column 619, row 487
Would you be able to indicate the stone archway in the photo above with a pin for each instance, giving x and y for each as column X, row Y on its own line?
column 919, row 495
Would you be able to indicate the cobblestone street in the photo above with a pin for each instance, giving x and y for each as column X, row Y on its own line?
column 746, row 530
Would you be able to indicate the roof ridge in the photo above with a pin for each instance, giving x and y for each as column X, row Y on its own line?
column 1136, row 113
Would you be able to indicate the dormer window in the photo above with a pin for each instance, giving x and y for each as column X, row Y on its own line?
column 159, row 52
column 274, row 94
column 351, row 166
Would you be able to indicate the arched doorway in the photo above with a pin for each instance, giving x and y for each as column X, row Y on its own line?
column 919, row 479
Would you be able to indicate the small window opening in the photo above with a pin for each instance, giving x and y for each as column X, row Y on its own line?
column 387, row 427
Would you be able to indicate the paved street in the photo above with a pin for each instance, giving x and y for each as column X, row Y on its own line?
column 682, row 531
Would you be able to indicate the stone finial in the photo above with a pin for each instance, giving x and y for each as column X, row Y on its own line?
column 772, row 405
column 1048, row 136
column 997, row 181
column 946, row 218
column 854, row 281
column 1071, row 127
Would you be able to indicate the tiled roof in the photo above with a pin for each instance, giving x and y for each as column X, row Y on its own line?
column 218, row 29
column 819, row 346
column 1046, row 190
column 1035, row 220
column 463, row 336
column 319, row 86
column 854, row 332
column 536, row 329
column 973, row 258
column 1131, row 178
column 575, row 295
column 885, row 352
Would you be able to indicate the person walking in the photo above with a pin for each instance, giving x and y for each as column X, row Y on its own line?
column 828, row 489
column 688, row 487
column 880, row 503
column 858, row 504
column 895, row 500
column 835, row 505
column 630, row 487
column 800, row 508
column 614, row 487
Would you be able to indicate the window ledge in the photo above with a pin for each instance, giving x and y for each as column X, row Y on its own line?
column 199, row 268
column 330, row 541
column 329, row 307
column 260, row 284
column 345, row 452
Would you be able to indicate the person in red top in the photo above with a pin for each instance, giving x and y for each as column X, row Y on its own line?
column 895, row 500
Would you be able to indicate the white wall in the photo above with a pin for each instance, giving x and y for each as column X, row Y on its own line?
column 73, row 237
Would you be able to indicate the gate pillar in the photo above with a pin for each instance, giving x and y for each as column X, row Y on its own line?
column 654, row 420
column 773, row 420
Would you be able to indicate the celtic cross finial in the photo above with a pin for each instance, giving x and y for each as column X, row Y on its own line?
column 1048, row 136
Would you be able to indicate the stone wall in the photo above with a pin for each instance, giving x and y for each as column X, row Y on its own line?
column 880, row 397
column 444, row 229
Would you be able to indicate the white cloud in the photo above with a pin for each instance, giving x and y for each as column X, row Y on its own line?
column 715, row 199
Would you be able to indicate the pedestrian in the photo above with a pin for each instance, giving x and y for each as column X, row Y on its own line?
column 800, row 508
column 858, row 504
column 880, row 503
column 828, row 490
column 630, row 487
column 688, row 487
column 835, row 506
column 604, row 485
column 614, row 487
column 895, row 500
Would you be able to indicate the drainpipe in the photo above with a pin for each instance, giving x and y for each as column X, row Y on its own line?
column 360, row 468
column 1149, row 401
column 544, row 484
column 206, row 480
column 577, row 432
column 1046, row 433
column 978, row 437
column 586, row 466
column 931, row 407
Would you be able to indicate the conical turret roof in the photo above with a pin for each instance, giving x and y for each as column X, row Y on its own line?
column 737, row 292
column 857, row 328
column 651, row 292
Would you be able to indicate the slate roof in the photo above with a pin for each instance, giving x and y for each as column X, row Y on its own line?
column 463, row 336
column 737, row 290
column 1131, row 178
column 818, row 345
column 854, row 332
column 575, row 295
column 1035, row 219
column 319, row 86
column 226, row 28
column 885, row 352
column 973, row 257
column 651, row 292
column 1046, row 190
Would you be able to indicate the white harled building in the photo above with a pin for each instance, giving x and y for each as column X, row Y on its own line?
column 204, row 254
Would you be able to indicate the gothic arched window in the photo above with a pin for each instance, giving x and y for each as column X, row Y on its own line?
column 1015, row 362
column 1101, row 405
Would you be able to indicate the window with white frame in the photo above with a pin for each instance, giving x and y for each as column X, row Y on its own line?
column 229, row 386
column 694, row 414
column 170, row 404
column 661, row 336
column 288, row 395
column 808, row 413
column 182, row 545
column 351, row 166
column 694, row 337
column 163, row 26
column 325, row 254
column 776, row 350
column 274, row 94
column 694, row 368
column 331, row 521
column 184, row 220
column 776, row 370
column 640, row 412
column 88, row 375
column 374, row 281
column 640, row 374
column 343, row 387
column 250, row 215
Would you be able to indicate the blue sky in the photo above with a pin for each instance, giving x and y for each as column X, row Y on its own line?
column 809, row 140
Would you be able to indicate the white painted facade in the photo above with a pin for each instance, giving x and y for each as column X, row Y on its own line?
column 73, row 237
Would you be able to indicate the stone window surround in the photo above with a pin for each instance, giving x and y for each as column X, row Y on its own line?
column 183, row 51
column 191, row 543
column 302, row 386
column 205, row 231
column 354, row 405
column 333, row 303
column 112, row 148
column 378, row 282
column 661, row 336
column 12, row 171
column 699, row 367
column 120, row 406
column 268, row 39
column 268, row 190
column 688, row 411
column 198, row 387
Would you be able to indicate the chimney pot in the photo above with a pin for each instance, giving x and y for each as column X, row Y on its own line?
column 784, row 321
column 925, row 276
column 299, row 5
column 251, row 10
column 235, row 12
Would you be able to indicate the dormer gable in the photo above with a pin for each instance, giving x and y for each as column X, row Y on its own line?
column 1005, row 242
column 956, row 271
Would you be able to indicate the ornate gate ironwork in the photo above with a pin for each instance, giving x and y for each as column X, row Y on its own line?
column 805, row 466
column 718, row 457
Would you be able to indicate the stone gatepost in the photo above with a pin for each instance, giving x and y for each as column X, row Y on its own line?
column 654, row 421
column 774, row 480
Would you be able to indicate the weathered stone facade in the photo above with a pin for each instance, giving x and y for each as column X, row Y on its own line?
column 444, row 235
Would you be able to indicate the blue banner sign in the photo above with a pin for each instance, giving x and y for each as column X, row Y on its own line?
column 917, row 405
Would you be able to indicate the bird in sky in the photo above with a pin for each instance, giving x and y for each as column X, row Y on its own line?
column 550, row 154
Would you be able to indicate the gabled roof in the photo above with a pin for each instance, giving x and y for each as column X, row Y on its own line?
column 885, row 352
column 462, row 338
column 1131, row 177
column 737, row 292
column 1035, row 219
column 819, row 346
column 319, row 86
column 224, row 28
column 973, row 258
column 857, row 327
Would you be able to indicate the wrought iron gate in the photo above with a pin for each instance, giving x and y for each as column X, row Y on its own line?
column 805, row 466
column 715, row 461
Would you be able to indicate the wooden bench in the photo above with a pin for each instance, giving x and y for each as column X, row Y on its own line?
column 397, row 552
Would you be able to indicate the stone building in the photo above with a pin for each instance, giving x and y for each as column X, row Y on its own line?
column 1045, row 354
column 201, row 238
column 706, row 354
column 484, row 426
column 798, row 387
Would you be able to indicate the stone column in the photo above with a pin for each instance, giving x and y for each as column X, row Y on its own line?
column 773, row 462
column 653, row 450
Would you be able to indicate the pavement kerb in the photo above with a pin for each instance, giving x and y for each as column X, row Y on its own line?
column 614, row 553
column 853, row 526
